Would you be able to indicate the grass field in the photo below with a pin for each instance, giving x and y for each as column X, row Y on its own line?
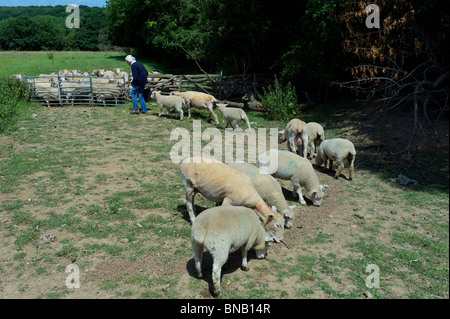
column 42, row 62
column 95, row 187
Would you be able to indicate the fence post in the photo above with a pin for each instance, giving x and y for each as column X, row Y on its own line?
column 59, row 90
column 91, row 93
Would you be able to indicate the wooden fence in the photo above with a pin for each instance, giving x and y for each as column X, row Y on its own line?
column 222, row 87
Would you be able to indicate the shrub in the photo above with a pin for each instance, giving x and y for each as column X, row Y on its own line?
column 281, row 101
column 11, row 92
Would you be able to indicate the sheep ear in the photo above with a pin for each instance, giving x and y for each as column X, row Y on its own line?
column 292, row 207
column 268, row 239
column 274, row 209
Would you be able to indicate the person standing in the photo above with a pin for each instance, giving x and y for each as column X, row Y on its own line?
column 138, row 83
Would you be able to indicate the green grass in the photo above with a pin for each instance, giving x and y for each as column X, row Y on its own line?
column 35, row 63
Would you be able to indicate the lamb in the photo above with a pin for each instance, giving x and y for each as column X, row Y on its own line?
column 222, row 184
column 223, row 230
column 337, row 149
column 296, row 129
column 268, row 188
column 199, row 100
column 316, row 135
column 298, row 170
column 170, row 102
column 233, row 115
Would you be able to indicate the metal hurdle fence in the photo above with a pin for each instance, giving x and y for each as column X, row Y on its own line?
column 58, row 90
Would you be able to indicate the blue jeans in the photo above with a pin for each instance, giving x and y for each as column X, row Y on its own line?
column 140, row 92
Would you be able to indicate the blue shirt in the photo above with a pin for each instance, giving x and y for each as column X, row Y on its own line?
column 139, row 74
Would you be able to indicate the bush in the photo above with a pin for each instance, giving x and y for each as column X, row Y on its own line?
column 11, row 92
column 281, row 102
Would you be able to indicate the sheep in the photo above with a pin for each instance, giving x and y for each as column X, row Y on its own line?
column 233, row 115
column 122, row 77
column 170, row 102
column 47, row 93
column 296, row 129
column 108, row 74
column 268, row 188
column 104, row 91
column 220, row 183
column 223, row 230
column 199, row 100
column 316, row 135
column 337, row 149
column 299, row 171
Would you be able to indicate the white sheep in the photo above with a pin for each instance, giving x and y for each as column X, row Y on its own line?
column 268, row 188
column 296, row 129
column 337, row 149
column 233, row 115
column 170, row 102
column 298, row 170
column 222, row 184
column 199, row 100
column 316, row 135
column 223, row 230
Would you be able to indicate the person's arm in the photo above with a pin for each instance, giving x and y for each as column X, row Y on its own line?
column 134, row 74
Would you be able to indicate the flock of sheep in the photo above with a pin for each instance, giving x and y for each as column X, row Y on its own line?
column 253, row 211
column 68, row 85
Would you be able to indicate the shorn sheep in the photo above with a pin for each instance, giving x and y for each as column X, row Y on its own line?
column 223, row 230
column 170, row 102
column 316, row 135
column 299, row 171
column 269, row 189
column 337, row 149
column 296, row 129
column 221, row 184
column 199, row 100
column 233, row 115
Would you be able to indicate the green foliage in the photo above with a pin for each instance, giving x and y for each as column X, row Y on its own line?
column 43, row 28
column 281, row 101
column 11, row 92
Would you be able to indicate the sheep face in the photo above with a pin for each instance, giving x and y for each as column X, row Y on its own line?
column 154, row 94
column 220, row 105
column 318, row 195
column 274, row 227
column 288, row 216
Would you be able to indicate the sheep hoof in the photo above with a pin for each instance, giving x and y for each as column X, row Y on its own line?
column 245, row 268
column 336, row 177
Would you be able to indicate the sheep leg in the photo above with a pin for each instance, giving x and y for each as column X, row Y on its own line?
column 244, row 252
column 339, row 171
column 298, row 190
column 311, row 150
column 291, row 145
column 234, row 125
column 331, row 165
column 189, row 200
column 351, row 168
column 181, row 114
column 219, row 261
column 304, row 138
column 247, row 122
column 198, row 255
